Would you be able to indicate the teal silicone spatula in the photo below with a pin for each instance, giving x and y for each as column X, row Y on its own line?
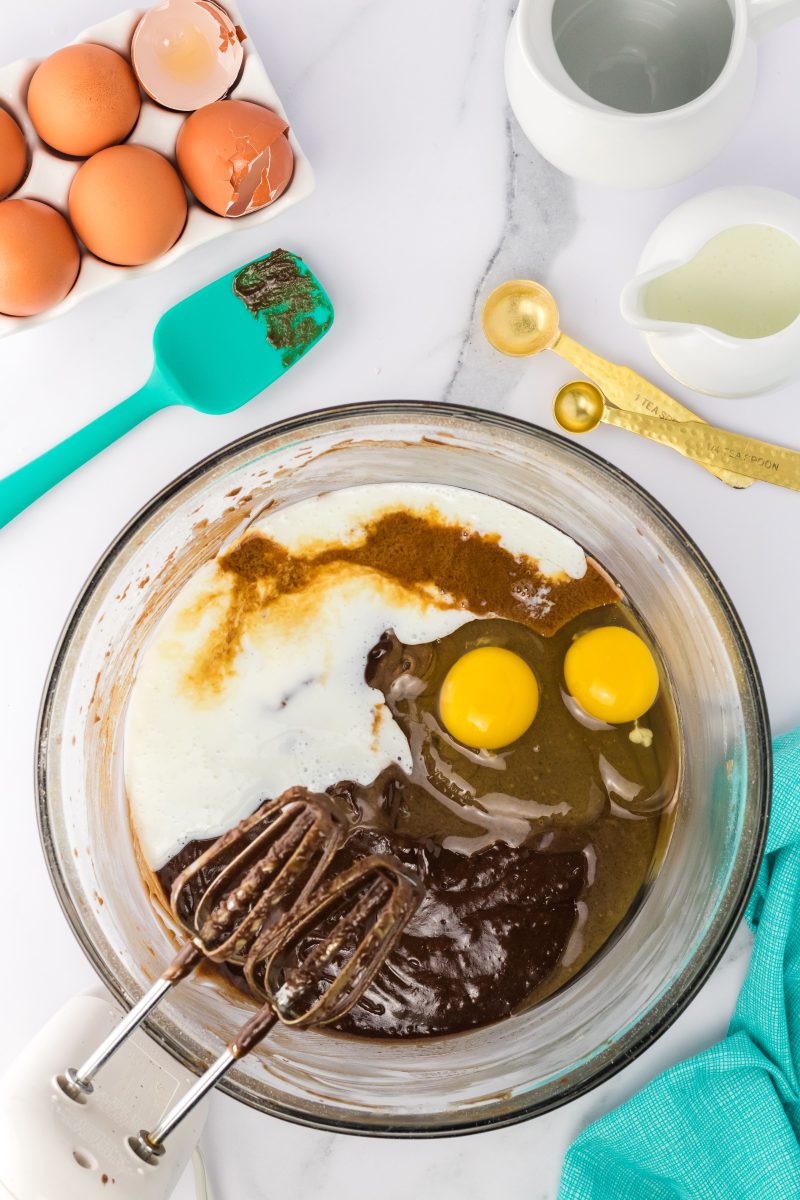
column 214, row 351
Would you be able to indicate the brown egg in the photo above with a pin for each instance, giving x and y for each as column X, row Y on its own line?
column 128, row 205
column 235, row 156
column 83, row 98
column 39, row 257
column 13, row 154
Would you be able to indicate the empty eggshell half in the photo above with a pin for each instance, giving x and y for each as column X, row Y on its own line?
column 186, row 53
column 235, row 156
column 13, row 154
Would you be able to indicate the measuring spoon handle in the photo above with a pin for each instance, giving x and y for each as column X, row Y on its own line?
column 712, row 447
column 631, row 391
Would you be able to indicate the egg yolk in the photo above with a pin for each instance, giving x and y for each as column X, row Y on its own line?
column 489, row 698
column 612, row 674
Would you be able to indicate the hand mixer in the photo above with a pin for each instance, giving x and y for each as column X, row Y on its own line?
column 257, row 899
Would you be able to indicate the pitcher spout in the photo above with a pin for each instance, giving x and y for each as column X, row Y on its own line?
column 633, row 301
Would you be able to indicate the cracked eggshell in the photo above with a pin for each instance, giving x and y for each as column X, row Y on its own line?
column 235, row 156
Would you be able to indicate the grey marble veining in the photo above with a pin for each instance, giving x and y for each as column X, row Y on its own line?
column 539, row 220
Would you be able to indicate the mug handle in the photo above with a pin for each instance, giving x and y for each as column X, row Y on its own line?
column 766, row 15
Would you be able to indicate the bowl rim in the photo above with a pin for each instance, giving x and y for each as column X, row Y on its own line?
column 676, row 999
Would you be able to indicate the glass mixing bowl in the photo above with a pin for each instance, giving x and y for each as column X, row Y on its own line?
column 632, row 991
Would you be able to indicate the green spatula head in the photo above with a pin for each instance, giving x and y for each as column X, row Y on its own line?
column 214, row 351
column 223, row 345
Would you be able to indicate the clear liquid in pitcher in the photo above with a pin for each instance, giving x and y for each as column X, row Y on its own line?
column 643, row 56
column 744, row 282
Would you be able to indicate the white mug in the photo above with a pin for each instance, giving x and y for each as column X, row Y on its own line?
column 635, row 93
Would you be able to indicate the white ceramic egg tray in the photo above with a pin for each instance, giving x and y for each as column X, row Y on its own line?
column 51, row 174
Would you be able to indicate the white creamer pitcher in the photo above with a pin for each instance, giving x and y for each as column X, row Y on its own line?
column 717, row 294
column 635, row 93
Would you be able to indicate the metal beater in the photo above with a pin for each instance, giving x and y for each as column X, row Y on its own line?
column 310, row 947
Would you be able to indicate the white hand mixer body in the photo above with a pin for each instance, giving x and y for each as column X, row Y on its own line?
column 53, row 1148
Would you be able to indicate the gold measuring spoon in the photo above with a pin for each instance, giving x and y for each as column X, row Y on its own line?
column 520, row 318
column 579, row 407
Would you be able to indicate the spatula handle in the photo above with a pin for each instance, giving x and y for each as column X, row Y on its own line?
column 22, row 487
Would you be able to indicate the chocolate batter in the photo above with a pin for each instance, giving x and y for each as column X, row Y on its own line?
column 296, row 311
column 533, row 856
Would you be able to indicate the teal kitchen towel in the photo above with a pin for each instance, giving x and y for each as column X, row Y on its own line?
column 726, row 1124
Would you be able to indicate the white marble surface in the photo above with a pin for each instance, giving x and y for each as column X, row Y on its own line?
column 426, row 194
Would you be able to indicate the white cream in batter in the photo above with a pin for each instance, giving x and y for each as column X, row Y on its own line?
column 295, row 709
